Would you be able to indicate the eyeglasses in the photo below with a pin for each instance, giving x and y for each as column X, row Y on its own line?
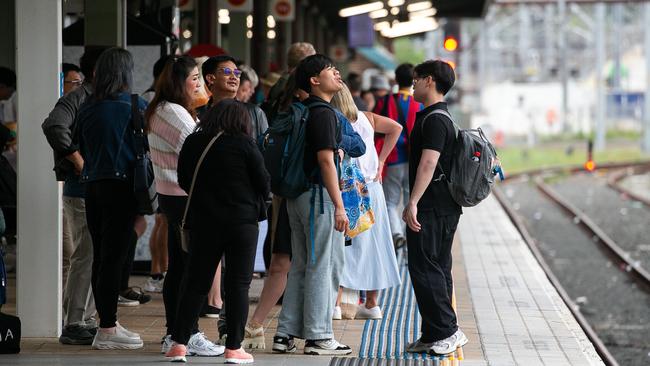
column 228, row 71
column 73, row 82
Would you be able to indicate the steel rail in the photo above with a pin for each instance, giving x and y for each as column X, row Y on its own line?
column 632, row 268
column 614, row 183
column 598, row 344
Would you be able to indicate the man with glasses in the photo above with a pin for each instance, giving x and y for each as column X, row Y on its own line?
column 222, row 78
column 72, row 77
column 431, row 213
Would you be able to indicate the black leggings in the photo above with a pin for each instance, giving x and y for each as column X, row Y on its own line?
column 110, row 212
column 207, row 244
column 173, row 208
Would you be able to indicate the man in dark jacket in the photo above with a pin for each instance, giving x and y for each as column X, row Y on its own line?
column 222, row 78
column 78, row 302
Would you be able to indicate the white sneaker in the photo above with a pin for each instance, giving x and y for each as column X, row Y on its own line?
column 449, row 345
column 338, row 315
column 127, row 332
column 116, row 340
column 153, row 285
column 123, row 301
column 372, row 313
column 199, row 345
column 254, row 338
column 326, row 347
column 167, row 343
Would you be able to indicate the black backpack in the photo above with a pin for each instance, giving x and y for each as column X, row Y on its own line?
column 472, row 175
column 283, row 148
column 9, row 324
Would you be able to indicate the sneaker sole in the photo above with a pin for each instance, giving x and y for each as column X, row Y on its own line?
column 76, row 341
column 115, row 345
column 211, row 316
column 204, row 354
column 177, row 359
column 325, row 352
column 463, row 341
column 254, row 343
column 128, row 304
column 237, row 361
column 283, row 349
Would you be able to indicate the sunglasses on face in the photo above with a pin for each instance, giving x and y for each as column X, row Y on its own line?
column 228, row 71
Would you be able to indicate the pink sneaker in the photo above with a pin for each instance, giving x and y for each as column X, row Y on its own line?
column 238, row 356
column 177, row 353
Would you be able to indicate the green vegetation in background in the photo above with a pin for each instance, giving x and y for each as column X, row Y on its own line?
column 519, row 159
column 405, row 52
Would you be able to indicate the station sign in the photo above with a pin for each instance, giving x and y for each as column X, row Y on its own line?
column 283, row 10
column 236, row 5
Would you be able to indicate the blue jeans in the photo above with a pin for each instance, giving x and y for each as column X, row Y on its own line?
column 313, row 282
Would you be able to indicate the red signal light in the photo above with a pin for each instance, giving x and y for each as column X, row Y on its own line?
column 590, row 165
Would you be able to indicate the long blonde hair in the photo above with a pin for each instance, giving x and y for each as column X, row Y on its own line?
column 343, row 101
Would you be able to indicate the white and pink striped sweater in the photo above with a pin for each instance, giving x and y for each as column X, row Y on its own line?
column 168, row 128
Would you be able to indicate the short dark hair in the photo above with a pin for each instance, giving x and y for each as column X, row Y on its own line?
column 211, row 64
column 66, row 68
column 354, row 82
column 311, row 66
column 170, row 85
column 160, row 65
column 113, row 73
column 89, row 59
column 441, row 72
column 7, row 77
column 229, row 116
column 404, row 75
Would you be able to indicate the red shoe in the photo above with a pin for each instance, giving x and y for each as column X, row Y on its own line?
column 238, row 356
column 177, row 353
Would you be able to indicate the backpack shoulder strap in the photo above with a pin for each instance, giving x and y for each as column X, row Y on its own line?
column 456, row 130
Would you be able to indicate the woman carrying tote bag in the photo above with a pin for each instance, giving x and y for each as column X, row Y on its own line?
column 224, row 206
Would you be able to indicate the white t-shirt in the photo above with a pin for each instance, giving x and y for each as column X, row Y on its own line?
column 368, row 162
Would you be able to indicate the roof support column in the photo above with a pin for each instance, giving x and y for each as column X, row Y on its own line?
column 238, row 43
column 38, row 61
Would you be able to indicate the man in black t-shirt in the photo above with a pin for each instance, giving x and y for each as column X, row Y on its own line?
column 431, row 214
column 318, row 220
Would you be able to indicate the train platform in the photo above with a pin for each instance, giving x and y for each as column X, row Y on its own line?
column 509, row 310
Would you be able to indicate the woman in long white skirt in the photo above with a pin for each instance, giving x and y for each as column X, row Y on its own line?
column 370, row 262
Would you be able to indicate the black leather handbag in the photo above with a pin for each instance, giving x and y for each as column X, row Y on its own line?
column 144, row 186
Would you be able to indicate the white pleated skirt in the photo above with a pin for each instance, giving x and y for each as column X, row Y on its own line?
column 370, row 262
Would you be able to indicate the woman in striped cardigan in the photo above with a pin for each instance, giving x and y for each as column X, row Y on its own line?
column 171, row 119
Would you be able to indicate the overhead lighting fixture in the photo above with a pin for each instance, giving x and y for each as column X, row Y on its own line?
column 422, row 5
column 395, row 2
column 382, row 25
column 378, row 14
column 249, row 34
column 249, row 21
column 360, row 9
column 270, row 21
column 223, row 13
column 394, row 11
column 224, row 20
column 270, row 34
column 418, row 25
column 423, row 13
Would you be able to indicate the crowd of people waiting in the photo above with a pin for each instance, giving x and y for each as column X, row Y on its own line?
column 212, row 184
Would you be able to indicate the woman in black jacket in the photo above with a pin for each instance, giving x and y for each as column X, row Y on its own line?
column 224, row 210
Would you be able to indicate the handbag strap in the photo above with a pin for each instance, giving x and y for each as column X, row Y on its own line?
column 138, row 127
column 196, row 172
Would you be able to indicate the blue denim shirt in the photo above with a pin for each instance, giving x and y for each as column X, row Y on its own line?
column 106, row 138
column 351, row 142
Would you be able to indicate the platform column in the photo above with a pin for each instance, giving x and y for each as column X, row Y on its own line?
column 38, row 60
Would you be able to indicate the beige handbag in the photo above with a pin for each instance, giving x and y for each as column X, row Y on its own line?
column 185, row 232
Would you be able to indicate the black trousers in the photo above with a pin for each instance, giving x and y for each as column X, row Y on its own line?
column 110, row 212
column 207, row 244
column 173, row 208
column 128, row 263
column 429, row 262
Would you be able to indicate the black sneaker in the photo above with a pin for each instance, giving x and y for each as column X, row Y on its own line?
column 326, row 347
column 77, row 335
column 284, row 345
column 139, row 296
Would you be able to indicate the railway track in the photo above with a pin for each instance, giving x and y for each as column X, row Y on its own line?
column 611, row 351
